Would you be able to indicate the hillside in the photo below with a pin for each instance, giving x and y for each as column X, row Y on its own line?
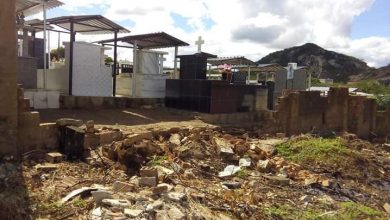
column 323, row 63
column 381, row 74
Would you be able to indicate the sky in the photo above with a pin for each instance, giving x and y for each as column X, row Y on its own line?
column 250, row 28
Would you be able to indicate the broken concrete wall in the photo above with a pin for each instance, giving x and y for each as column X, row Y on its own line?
column 8, row 89
column 305, row 111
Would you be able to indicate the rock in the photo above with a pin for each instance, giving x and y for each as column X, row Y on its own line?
column 231, row 185
column 55, row 157
column 175, row 139
column 224, row 147
column 229, row 171
column 131, row 139
column 327, row 183
column 245, row 162
column 160, row 189
column 90, row 126
column 386, row 206
column 69, row 122
column 176, row 197
column 263, row 165
column 154, row 206
column 148, row 172
column 96, row 214
column 310, row 181
column 148, row 181
column 269, row 150
column 99, row 195
column 118, row 186
column 74, row 193
column 162, row 215
column 133, row 213
column 175, row 214
column 283, row 172
column 117, row 203
column 46, row 167
column 276, row 180
column 306, row 199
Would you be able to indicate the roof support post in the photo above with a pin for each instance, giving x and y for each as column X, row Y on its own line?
column 71, row 44
column 175, row 75
column 135, row 69
column 115, row 63
column 44, row 47
column 249, row 75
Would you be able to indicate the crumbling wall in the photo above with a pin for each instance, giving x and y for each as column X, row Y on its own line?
column 307, row 111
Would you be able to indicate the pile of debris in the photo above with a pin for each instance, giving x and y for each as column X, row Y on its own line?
column 188, row 173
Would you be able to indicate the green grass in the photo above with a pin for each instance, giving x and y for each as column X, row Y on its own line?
column 243, row 173
column 332, row 151
column 344, row 211
column 157, row 161
column 80, row 203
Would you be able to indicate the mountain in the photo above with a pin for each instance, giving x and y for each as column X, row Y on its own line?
column 381, row 74
column 323, row 63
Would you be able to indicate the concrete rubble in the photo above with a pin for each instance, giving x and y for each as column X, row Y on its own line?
column 196, row 173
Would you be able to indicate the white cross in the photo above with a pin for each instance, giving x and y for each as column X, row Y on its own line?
column 199, row 42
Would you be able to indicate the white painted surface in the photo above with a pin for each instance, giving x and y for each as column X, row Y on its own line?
column 151, row 85
column 57, row 78
column 91, row 77
column 43, row 99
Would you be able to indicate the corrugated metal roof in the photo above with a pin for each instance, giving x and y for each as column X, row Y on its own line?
column 86, row 24
column 234, row 61
column 32, row 7
column 150, row 41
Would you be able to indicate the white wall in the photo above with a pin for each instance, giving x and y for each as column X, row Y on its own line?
column 91, row 77
column 57, row 78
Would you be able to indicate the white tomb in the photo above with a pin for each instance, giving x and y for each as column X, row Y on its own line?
column 91, row 77
column 149, row 76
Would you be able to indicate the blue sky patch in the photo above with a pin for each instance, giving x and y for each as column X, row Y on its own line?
column 182, row 22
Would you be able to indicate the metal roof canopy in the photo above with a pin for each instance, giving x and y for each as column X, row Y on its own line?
column 150, row 41
column 234, row 61
column 268, row 68
column 85, row 24
column 32, row 7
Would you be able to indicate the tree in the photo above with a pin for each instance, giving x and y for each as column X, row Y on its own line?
column 108, row 60
column 57, row 53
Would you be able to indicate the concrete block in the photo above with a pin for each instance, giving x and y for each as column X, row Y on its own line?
column 148, row 181
column 53, row 99
column 40, row 100
column 28, row 119
column 148, row 172
column 55, row 157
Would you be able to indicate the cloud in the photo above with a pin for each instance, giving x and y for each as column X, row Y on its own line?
column 251, row 28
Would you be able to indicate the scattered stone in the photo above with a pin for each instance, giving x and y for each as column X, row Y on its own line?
column 148, row 181
column 55, row 157
column 283, row 172
column 122, row 187
column 162, row 215
column 231, row 185
column 117, row 203
column 276, row 180
column 306, row 199
column 69, row 122
column 90, row 126
column 268, row 149
column 229, row 171
column 131, row 139
column 263, row 165
column 160, row 189
column 327, row 183
column 154, row 206
column 176, row 196
column 99, row 195
column 96, row 214
column 245, row 162
column 163, row 170
column 175, row 214
column 224, row 147
column 133, row 213
column 386, row 206
column 74, row 193
column 310, row 181
column 175, row 139
column 46, row 167
column 148, row 172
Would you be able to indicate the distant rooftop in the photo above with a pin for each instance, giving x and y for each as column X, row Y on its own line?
column 234, row 61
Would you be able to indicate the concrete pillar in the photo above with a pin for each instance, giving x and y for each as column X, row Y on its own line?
column 8, row 89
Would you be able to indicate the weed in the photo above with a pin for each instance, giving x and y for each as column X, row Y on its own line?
column 80, row 203
column 243, row 173
column 157, row 161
